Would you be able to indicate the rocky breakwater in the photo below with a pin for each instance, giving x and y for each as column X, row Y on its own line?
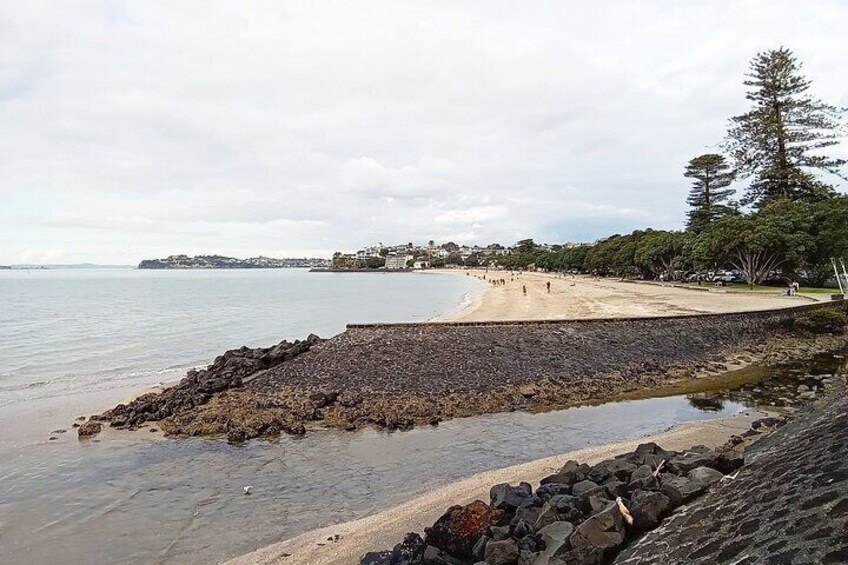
column 398, row 376
column 228, row 371
column 581, row 515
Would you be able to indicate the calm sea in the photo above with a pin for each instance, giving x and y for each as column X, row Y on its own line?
column 76, row 340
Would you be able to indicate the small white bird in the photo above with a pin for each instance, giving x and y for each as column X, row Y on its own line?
column 248, row 489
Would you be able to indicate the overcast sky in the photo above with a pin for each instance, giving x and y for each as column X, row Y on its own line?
column 131, row 130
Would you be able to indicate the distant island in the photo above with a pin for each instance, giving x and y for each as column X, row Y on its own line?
column 221, row 262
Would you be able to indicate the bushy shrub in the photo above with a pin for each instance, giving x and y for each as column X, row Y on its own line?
column 823, row 321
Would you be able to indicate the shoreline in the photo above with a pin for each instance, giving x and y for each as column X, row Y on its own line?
column 383, row 529
column 583, row 297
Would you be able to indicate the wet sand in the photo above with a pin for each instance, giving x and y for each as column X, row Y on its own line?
column 383, row 530
column 585, row 297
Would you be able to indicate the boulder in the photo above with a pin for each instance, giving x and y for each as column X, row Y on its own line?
column 504, row 552
column 584, row 489
column 479, row 550
column 615, row 488
column 458, row 529
column 604, row 531
column 379, row 558
column 648, row 508
column 546, row 491
column 643, row 479
column 611, row 468
column 680, row 489
column 598, row 502
column 499, row 532
column 435, row 556
column 730, row 461
column 411, row 548
column 555, row 537
column 508, row 498
column 558, row 508
column 704, row 476
column 89, row 429
column 682, row 464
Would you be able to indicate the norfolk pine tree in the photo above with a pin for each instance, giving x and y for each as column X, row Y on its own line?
column 778, row 142
column 709, row 192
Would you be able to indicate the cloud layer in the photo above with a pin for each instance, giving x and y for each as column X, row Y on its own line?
column 140, row 129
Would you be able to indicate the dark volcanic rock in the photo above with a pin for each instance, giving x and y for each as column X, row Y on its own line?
column 681, row 489
column 89, row 429
column 435, row 556
column 456, row 532
column 585, row 489
column 509, row 498
column 600, row 533
column 228, row 371
column 504, row 552
column 648, row 508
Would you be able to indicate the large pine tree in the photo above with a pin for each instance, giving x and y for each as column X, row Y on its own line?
column 709, row 194
column 779, row 141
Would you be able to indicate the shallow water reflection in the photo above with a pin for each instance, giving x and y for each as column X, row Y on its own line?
column 147, row 501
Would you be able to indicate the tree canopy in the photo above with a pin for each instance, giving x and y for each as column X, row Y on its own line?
column 778, row 142
column 709, row 194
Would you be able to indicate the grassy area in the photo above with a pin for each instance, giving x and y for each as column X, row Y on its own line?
column 764, row 288
column 803, row 289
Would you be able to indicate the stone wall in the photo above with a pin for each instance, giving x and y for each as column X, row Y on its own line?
column 444, row 358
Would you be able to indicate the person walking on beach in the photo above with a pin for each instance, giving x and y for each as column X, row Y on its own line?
column 548, row 284
column 524, row 289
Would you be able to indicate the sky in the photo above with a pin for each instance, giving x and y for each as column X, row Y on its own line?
column 132, row 130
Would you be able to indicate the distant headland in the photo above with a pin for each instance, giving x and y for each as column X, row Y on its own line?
column 221, row 262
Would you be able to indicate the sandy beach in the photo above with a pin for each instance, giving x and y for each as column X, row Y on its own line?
column 585, row 297
column 384, row 529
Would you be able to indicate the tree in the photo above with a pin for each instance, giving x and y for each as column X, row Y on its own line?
column 828, row 221
column 660, row 252
column 712, row 175
column 769, row 242
column 525, row 246
column 614, row 255
column 778, row 141
column 453, row 259
column 374, row 262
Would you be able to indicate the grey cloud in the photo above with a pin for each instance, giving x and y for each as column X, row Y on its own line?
column 134, row 129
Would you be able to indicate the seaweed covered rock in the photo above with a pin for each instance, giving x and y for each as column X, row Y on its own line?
column 228, row 371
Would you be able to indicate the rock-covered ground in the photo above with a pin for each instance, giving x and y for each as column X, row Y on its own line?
column 399, row 376
column 787, row 504
column 580, row 515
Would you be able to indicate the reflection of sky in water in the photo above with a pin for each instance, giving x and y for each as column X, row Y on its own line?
column 119, row 501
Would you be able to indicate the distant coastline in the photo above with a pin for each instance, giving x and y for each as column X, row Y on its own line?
column 222, row 262
column 353, row 270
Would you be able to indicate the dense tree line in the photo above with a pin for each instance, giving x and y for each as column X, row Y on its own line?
column 789, row 222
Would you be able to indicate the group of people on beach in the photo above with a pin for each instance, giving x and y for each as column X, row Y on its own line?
column 503, row 281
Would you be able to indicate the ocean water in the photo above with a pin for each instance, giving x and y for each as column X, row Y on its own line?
column 78, row 340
